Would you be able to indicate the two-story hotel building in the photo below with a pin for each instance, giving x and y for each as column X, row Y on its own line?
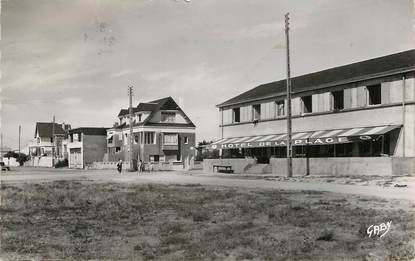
column 355, row 112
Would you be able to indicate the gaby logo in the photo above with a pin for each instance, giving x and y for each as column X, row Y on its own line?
column 379, row 230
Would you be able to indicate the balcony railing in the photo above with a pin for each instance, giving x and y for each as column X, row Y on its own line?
column 41, row 144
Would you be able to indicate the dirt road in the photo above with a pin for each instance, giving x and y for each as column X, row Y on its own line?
column 20, row 175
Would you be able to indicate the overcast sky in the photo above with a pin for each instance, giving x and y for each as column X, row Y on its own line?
column 75, row 59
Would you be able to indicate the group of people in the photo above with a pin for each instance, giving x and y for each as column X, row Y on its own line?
column 140, row 166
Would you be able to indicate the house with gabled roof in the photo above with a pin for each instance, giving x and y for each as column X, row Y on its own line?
column 162, row 133
column 49, row 140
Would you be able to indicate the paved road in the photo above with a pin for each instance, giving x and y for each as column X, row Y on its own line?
column 20, row 175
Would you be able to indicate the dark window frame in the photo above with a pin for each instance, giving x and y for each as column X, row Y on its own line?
column 236, row 115
column 338, row 100
column 256, row 110
column 307, row 104
column 277, row 108
column 374, row 93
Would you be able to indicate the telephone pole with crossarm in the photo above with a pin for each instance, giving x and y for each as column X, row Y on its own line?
column 130, row 136
column 289, row 128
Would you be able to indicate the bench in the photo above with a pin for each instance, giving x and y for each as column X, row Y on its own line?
column 223, row 168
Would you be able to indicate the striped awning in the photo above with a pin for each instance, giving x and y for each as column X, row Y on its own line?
column 322, row 137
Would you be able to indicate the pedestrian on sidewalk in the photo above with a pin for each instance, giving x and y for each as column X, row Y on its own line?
column 150, row 167
column 119, row 166
column 140, row 166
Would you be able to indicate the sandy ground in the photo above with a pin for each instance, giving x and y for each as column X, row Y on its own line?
column 376, row 186
column 90, row 220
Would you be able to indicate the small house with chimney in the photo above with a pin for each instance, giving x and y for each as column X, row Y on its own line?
column 48, row 144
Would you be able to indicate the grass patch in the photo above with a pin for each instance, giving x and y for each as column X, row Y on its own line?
column 61, row 220
column 326, row 236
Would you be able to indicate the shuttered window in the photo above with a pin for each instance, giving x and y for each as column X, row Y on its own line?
column 236, row 115
column 307, row 104
column 227, row 116
column 267, row 110
column 256, row 112
column 338, row 100
column 246, row 114
column 280, row 108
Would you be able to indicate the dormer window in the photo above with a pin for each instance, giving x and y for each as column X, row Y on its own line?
column 139, row 117
column 168, row 117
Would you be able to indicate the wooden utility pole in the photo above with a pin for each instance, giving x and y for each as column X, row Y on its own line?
column 403, row 116
column 20, row 131
column 1, row 146
column 130, row 139
column 53, row 141
column 289, row 129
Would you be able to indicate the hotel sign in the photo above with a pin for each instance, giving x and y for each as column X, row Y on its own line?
column 295, row 142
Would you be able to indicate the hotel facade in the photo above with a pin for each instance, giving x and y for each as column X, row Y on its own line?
column 361, row 114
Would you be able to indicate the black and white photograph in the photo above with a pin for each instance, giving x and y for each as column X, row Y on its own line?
column 207, row 130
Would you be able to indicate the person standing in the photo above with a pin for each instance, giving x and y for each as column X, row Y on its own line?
column 140, row 166
column 150, row 167
column 119, row 166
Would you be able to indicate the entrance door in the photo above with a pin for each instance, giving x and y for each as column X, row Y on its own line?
column 75, row 158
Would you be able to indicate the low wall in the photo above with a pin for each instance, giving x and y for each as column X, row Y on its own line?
column 12, row 162
column 377, row 166
column 403, row 166
column 106, row 165
column 39, row 162
column 238, row 165
column 126, row 165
